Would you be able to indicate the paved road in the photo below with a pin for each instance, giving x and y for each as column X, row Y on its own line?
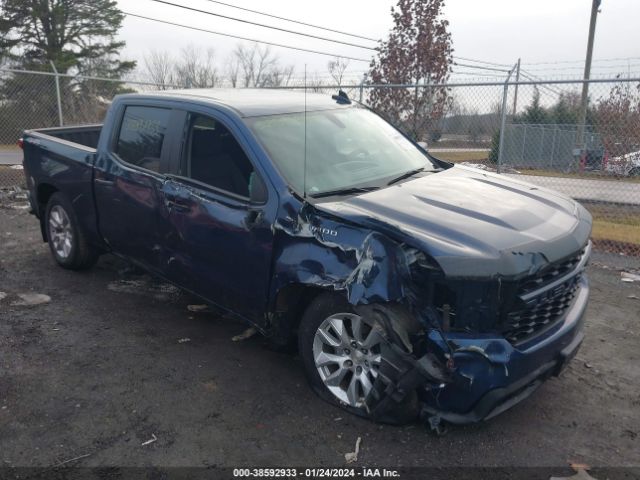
column 10, row 157
column 586, row 189
column 436, row 150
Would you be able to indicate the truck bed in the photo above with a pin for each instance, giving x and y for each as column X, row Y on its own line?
column 61, row 159
column 86, row 135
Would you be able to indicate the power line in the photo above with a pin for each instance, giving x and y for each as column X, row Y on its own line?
column 482, row 61
column 615, row 59
column 479, row 67
column 478, row 74
column 600, row 67
column 535, row 79
column 318, row 52
column 318, row 37
column 292, row 21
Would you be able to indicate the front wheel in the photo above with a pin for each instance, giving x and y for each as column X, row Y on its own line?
column 67, row 242
column 343, row 354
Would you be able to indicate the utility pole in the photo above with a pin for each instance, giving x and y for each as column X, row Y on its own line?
column 582, row 118
column 515, row 95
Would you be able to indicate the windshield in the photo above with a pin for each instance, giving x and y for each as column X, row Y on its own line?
column 346, row 148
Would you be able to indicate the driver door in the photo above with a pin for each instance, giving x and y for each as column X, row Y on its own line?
column 218, row 240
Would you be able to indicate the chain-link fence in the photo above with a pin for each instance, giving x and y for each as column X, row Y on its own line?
column 537, row 131
column 44, row 99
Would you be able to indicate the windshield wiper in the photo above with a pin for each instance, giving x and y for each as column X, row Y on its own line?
column 411, row 173
column 343, row 191
column 408, row 174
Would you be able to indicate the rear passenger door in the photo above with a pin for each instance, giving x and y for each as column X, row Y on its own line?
column 218, row 239
column 128, row 178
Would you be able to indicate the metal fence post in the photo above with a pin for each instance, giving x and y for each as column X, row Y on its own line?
column 503, row 123
column 364, row 79
column 57, row 77
column 553, row 146
column 540, row 150
column 524, row 144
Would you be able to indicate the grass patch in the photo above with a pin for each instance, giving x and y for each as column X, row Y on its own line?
column 461, row 156
column 483, row 157
column 615, row 223
column 584, row 175
column 8, row 147
column 616, row 232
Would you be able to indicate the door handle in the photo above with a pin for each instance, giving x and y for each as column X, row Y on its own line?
column 254, row 216
column 106, row 183
column 177, row 204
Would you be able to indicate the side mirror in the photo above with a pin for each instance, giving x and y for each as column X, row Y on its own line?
column 257, row 189
column 423, row 145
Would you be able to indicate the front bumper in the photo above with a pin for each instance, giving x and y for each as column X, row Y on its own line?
column 491, row 375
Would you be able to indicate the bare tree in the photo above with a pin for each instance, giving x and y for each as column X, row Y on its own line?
column 252, row 66
column 336, row 68
column 277, row 76
column 158, row 68
column 197, row 68
column 232, row 70
column 245, row 61
column 266, row 62
column 255, row 64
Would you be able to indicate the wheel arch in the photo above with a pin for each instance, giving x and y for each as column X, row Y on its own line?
column 288, row 306
column 44, row 193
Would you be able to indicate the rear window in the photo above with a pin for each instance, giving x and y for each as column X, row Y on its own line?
column 142, row 135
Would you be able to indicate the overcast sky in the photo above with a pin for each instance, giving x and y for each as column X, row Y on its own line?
column 491, row 30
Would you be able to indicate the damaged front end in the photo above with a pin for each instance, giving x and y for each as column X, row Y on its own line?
column 454, row 348
column 483, row 345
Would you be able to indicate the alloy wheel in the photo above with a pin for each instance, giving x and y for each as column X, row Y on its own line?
column 346, row 351
column 60, row 232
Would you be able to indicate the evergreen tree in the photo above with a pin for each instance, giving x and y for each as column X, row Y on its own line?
column 78, row 36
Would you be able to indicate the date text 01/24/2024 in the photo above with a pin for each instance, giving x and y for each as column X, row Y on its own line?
column 362, row 472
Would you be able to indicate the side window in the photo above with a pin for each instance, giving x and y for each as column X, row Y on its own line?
column 214, row 157
column 141, row 136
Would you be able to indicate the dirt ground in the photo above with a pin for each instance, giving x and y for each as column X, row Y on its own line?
column 115, row 371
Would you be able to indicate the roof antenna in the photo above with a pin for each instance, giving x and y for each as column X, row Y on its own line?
column 304, row 172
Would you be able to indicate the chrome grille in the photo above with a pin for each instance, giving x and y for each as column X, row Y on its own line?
column 542, row 301
column 550, row 273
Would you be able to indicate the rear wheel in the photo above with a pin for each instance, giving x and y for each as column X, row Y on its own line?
column 66, row 240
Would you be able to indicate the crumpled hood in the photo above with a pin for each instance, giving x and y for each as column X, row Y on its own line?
column 474, row 223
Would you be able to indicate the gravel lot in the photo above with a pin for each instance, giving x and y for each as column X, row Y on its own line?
column 116, row 359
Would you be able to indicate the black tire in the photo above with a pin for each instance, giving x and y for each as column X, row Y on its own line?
column 634, row 172
column 80, row 254
column 322, row 307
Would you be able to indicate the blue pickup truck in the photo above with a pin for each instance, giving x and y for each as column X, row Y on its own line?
column 411, row 287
